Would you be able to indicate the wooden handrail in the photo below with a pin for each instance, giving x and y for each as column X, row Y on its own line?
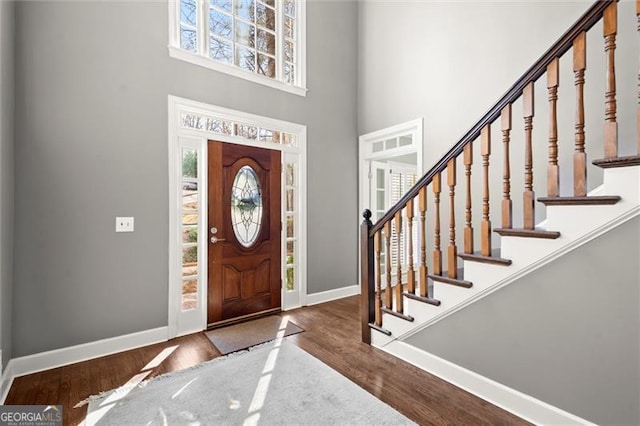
column 584, row 23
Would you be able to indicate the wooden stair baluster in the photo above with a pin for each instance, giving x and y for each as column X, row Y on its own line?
column 388, row 293
column 468, row 229
column 485, row 229
column 424, row 269
column 452, row 254
column 507, row 209
column 528, row 195
column 398, row 289
column 579, row 156
column 553, row 174
column 378, row 299
column 411, row 275
column 437, row 253
column 610, row 29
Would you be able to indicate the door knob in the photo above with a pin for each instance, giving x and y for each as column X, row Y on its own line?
column 216, row 239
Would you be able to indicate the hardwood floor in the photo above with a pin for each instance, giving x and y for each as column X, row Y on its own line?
column 332, row 334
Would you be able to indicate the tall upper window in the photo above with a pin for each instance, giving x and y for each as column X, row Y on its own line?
column 259, row 40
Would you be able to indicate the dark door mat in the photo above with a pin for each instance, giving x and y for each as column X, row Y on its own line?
column 244, row 335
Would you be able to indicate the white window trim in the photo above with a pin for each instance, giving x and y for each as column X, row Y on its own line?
column 186, row 322
column 300, row 88
column 365, row 152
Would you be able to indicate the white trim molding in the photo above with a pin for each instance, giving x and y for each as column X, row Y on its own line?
column 294, row 152
column 78, row 353
column 522, row 405
column 329, row 295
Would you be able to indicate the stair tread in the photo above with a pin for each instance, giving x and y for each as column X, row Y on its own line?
column 527, row 233
column 398, row 314
column 454, row 281
column 494, row 258
column 608, row 163
column 428, row 300
column 580, row 201
column 380, row 329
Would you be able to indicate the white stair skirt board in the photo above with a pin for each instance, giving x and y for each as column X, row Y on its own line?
column 329, row 295
column 518, row 403
column 58, row 357
column 526, row 254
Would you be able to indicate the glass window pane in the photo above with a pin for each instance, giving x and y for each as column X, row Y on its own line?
column 188, row 14
column 290, row 251
column 222, row 4
column 245, row 33
column 265, row 17
column 189, row 218
column 190, row 163
column 267, row 135
column 245, row 10
column 290, row 201
column 189, row 198
column 266, row 42
column 378, row 146
column 290, row 226
column 290, row 174
column 190, row 269
column 288, row 139
column 288, row 51
column 190, row 234
column 220, row 23
column 218, row 126
column 191, row 121
column 271, row 3
column 245, row 58
column 380, row 201
column 290, row 279
column 246, row 206
column 405, row 140
column 246, row 131
column 221, row 50
column 188, row 39
column 289, row 73
column 266, row 65
column 391, row 143
column 290, row 7
column 380, row 174
column 189, row 294
column 289, row 27
column 189, row 256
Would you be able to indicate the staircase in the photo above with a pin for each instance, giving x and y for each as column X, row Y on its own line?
column 438, row 279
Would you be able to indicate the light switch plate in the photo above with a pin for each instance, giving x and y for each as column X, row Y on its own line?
column 124, row 224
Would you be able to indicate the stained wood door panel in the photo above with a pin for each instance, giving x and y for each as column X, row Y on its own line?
column 244, row 262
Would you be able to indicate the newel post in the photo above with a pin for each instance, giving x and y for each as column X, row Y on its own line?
column 367, row 285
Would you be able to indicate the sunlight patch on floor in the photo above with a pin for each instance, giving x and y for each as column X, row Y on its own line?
column 262, row 389
column 155, row 362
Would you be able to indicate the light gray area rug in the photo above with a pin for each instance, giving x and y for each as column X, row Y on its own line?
column 273, row 384
column 247, row 334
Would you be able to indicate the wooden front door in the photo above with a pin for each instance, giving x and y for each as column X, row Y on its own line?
column 244, row 232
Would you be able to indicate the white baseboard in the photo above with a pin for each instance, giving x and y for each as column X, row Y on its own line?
column 329, row 295
column 516, row 402
column 7, row 381
column 78, row 353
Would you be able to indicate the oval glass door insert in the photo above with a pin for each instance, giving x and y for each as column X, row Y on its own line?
column 246, row 206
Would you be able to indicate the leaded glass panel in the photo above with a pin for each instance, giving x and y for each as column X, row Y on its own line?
column 246, row 206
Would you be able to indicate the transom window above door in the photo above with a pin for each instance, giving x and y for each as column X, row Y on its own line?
column 258, row 40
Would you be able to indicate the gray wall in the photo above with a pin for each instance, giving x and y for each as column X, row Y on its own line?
column 6, row 174
column 448, row 62
column 92, row 80
column 567, row 334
